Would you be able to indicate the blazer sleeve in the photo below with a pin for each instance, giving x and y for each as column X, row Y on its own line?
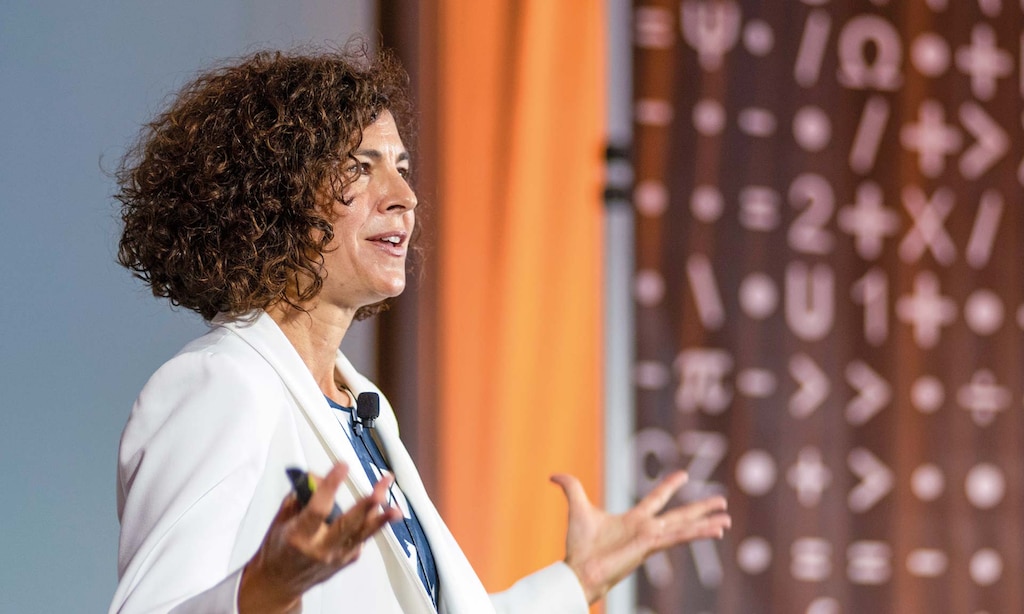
column 191, row 456
column 552, row 590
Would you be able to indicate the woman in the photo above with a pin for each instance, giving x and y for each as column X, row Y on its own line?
column 272, row 198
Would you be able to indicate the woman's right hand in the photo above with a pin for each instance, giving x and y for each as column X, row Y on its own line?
column 300, row 550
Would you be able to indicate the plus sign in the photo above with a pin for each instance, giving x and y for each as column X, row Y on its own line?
column 926, row 310
column 868, row 220
column 932, row 138
column 809, row 476
column 984, row 61
column 983, row 397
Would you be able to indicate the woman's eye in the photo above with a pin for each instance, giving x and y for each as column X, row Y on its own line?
column 404, row 172
column 358, row 168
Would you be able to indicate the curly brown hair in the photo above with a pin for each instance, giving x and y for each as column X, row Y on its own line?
column 222, row 195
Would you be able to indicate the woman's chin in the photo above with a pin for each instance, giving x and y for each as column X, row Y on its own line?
column 392, row 288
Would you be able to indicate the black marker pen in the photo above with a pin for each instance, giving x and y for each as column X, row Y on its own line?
column 304, row 487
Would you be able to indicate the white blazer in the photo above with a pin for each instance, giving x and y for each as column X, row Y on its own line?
column 201, row 474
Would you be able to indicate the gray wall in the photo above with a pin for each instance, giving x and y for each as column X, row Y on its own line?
column 79, row 336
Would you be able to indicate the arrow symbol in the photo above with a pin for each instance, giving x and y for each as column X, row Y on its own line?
column 876, row 480
column 991, row 143
column 873, row 393
column 813, row 384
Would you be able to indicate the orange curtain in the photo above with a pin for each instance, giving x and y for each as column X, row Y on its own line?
column 521, row 90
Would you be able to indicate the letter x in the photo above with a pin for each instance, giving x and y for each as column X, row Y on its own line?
column 929, row 232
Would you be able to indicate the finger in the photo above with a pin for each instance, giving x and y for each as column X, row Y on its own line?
column 688, row 523
column 374, row 503
column 659, row 497
column 704, row 507
column 573, row 490
column 321, row 504
column 365, row 518
column 706, row 527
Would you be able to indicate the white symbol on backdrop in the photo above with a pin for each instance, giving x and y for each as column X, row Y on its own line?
column 927, row 394
column 649, row 287
column 756, row 121
column 809, row 476
column 986, row 226
column 869, row 562
column 709, row 117
column 876, row 480
column 705, row 291
column 986, row 567
column 655, row 454
column 707, row 203
column 927, row 482
column 868, row 220
column 706, row 450
column 930, row 54
column 754, row 555
column 813, row 43
column 759, row 296
column 650, row 375
column 813, row 386
column 707, row 563
column 932, row 138
column 985, row 486
column 991, row 141
column 701, row 372
column 927, row 310
column 756, row 472
column 856, row 71
column 984, row 61
column 824, row 605
column 756, row 383
column 929, row 231
column 653, row 112
column 813, row 194
column 983, row 397
column 810, row 300
column 812, row 128
column 812, row 559
column 927, row 562
column 870, row 129
column 758, row 37
column 759, row 208
column 873, row 393
column 712, row 29
column 655, row 27
column 984, row 312
column 650, row 197
column 872, row 291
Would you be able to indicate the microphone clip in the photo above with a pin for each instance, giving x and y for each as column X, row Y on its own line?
column 367, row 410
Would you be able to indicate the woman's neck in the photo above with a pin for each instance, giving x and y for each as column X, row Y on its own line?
column 316, row 335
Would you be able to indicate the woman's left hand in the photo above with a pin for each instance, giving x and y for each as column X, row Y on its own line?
column 603, row 548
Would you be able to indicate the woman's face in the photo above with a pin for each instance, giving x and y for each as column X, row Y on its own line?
column 365, row 261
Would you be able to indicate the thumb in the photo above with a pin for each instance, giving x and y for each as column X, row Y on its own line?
column 573, row 490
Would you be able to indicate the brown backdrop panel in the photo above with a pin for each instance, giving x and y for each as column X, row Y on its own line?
column 829, row 305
